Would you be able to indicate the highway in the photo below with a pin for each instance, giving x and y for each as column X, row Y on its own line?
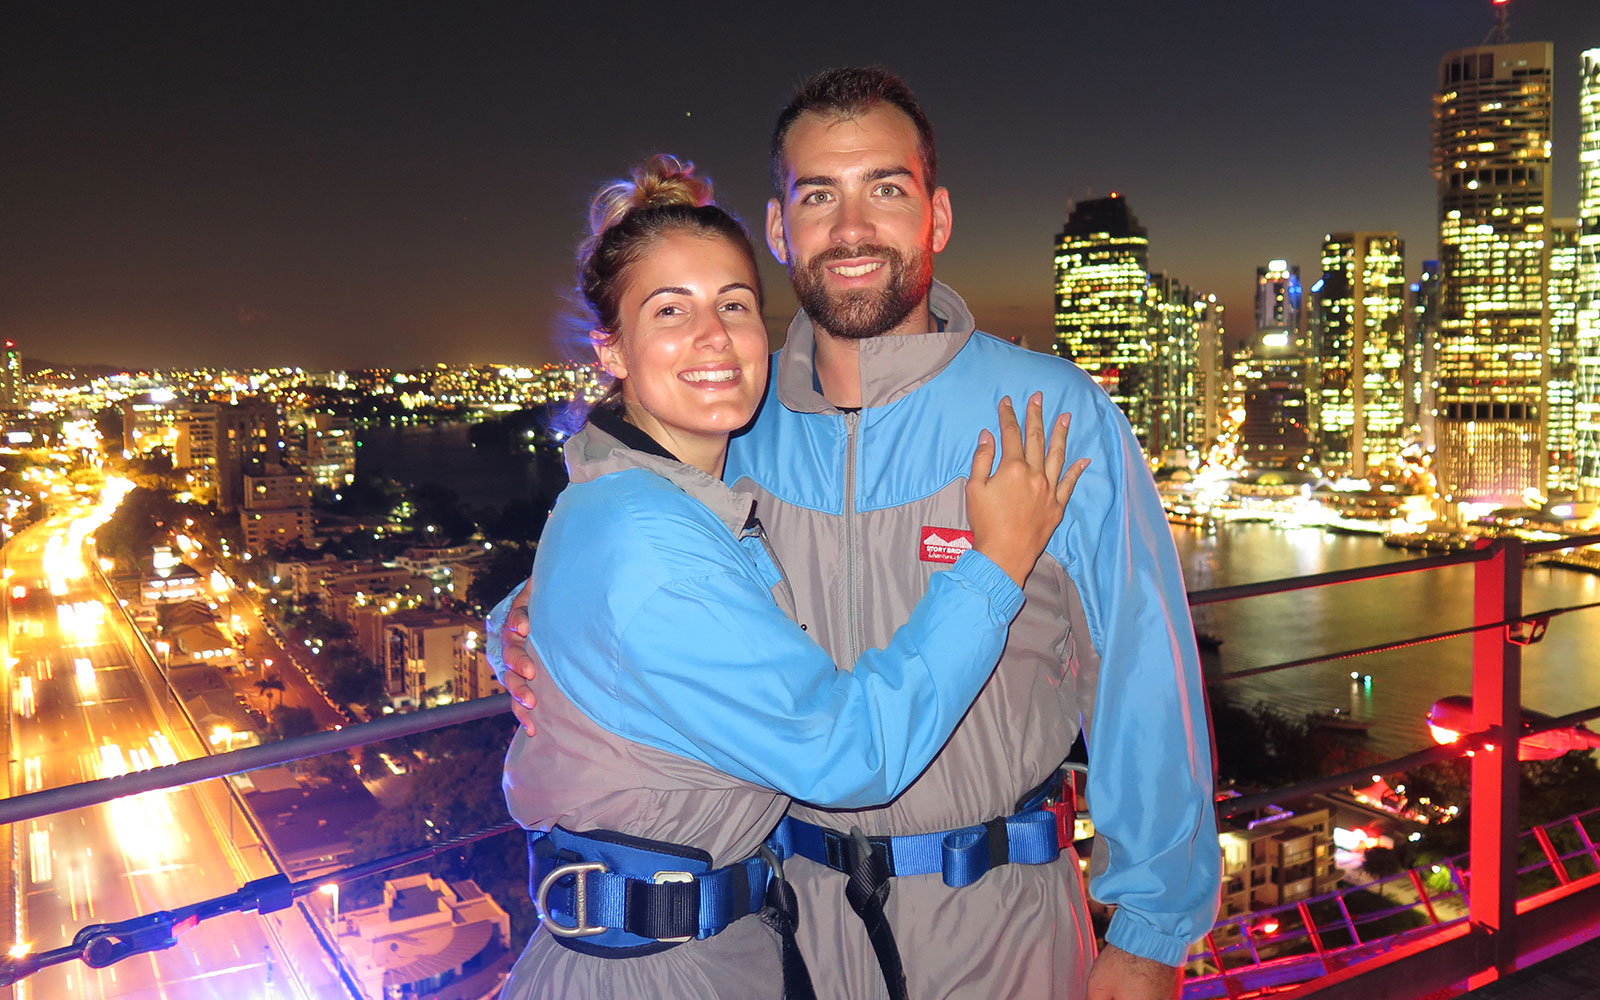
column 79, row 709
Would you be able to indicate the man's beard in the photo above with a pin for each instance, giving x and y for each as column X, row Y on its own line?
column 862, row 315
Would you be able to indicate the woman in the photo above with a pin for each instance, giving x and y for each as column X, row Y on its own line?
column 680, row 706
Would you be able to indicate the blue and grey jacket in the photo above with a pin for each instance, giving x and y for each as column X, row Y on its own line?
column 864, row 507
column 680, row 703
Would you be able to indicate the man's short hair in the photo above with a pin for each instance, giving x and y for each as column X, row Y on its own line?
column 848, row 92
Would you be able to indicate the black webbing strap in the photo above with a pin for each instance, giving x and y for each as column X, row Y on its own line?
column 866, row 891
column 782, row 914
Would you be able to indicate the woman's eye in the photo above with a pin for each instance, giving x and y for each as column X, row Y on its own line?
column 669, row 311
column 734, row 306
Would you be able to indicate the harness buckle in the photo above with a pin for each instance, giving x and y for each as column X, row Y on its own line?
column 662, row 878
column 582, row 928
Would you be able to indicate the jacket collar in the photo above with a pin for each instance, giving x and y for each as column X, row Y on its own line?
column 594, row 452
column 891, row 367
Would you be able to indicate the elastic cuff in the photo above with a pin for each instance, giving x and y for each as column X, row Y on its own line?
column 986, row 576
column 493, row 646
column 1137, row 936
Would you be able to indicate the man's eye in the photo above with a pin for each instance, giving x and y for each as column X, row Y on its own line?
column 888, row 190
column 815, row 198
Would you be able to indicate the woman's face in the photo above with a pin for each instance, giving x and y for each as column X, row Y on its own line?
column 692, row 351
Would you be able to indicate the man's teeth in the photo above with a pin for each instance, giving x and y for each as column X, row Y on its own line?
column 855, row 270
column 723, row 375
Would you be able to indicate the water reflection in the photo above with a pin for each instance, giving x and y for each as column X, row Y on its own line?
column 1559, row 673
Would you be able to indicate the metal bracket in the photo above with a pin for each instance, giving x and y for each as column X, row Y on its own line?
column 1527, row 631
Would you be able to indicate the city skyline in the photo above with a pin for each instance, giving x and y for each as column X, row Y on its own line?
column 334, row 190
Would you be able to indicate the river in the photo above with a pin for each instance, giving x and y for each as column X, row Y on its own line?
column 1560, row 674
column 442, row 454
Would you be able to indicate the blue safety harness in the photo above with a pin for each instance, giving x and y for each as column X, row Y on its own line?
column 960, row 857
column 611, row 895
column 1033, row 835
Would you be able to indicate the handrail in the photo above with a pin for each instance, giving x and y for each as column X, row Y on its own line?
column 87, row 793
column 1428, row 755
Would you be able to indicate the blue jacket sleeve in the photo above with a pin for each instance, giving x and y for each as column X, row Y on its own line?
column 1150, row 777
column 493, row 644
column 711, row 669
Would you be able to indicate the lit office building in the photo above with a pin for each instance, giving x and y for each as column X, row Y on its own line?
column 1422, row 341
column 1172, row 312
column 1102, row 322
column 11, row 376
column 1362, row 307
column 1280, row 302
column 1587, row 277
column 1271, row 378
column 1211, row 376
column 1560, row 408
column 1491, row 163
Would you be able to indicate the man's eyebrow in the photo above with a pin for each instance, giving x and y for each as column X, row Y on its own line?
column 872, row 176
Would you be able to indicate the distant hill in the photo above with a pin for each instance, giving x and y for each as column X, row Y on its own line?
column 32, row 366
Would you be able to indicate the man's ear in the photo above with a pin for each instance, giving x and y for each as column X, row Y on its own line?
column 943, row 222
column 608, row 351
column 775, row 241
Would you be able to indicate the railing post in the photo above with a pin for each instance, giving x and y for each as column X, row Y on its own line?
column 1496, row 706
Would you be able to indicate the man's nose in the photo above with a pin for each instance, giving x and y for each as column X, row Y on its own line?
column 851, row 225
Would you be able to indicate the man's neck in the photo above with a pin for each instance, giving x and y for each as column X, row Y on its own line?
column 838, row 359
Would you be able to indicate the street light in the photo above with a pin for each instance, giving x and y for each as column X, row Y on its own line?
column 332, row 890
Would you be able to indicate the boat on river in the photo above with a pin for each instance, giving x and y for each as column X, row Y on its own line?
column 1338, row 720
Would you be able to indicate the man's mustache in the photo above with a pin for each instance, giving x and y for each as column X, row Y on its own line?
column 828, row 256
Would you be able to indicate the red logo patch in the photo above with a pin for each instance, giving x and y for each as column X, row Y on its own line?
column 944, row 545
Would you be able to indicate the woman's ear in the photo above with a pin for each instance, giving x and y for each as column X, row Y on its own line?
column 609, row 352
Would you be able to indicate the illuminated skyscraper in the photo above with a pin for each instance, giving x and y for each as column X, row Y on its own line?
column 1361, row 304
column 1587, row 278
column 1271, row 376
column 1102, row 318
column 11, row 376
column 1279, row 300
column 1211, row 378
column 1491, row 163
column 1172, row 313
column 1422, row 341
column 1560, row 410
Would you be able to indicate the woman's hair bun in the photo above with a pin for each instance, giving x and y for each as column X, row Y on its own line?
column 659, row 182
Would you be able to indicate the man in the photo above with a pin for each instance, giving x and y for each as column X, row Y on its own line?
column 856, row 459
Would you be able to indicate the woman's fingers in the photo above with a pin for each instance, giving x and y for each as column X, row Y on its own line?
column 1010, row 433
column 1033, row 451
column 1057, row 455
column 1069, row 481
column 982, row 458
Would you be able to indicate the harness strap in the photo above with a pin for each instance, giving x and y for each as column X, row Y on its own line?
column 866, row 890
column 602, row 896
column 782, row 914
column 961, row 856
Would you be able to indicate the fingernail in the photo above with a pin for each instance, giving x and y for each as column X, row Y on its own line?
column 1005, row 400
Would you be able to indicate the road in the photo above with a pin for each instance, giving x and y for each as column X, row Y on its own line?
column 79, row 710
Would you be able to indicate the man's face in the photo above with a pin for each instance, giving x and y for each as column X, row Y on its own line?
column 857, row 225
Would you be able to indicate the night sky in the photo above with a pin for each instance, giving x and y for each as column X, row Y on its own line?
column 345, row 184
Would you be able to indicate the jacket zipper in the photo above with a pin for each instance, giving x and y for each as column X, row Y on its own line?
column 760, row 532
column 852, row 569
